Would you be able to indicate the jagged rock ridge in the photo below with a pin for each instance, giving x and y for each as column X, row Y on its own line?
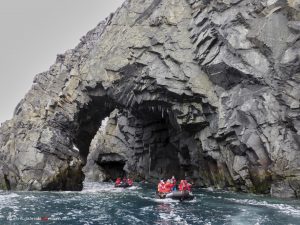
column 205, row 89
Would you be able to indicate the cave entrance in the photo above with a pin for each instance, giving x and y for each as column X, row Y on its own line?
column 90, row 120
column 144, row 143
column 113, row 170
column 163, row 149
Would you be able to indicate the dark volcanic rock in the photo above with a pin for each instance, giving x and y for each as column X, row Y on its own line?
column 204, row 89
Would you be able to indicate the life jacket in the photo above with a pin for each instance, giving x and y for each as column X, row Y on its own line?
column 168, row 187
column 118, row 181
column 184, row 186
column 161, row 187
column 129, row 182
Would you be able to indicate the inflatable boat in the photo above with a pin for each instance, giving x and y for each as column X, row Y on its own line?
column 177, row 195
column 123, row 185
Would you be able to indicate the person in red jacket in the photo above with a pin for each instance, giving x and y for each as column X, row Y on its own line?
column 129, row 182
column 168, row 186
column 118, row 181
column 184, row 186
column 161, row 187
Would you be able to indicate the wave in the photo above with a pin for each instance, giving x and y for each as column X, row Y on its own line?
column 134, row 188
column 287, row 209
column 6, row 196
column 166, row 200
column 97, row 190
column 9, row 201
column 132, row 219
column 31, row 197
column 172, row 217
column 96, row 187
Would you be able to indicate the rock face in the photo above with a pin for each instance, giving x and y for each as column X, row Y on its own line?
column 198, row 88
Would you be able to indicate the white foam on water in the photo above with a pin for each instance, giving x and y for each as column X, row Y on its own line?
column 165, row 200
column 97, row 190
column 57, row 214
column 209, row 189
column 172, row 217
column 248, row 216
column 165, row 217
column 30, row 197
column 146, row 209
column 191, row 201
column 134, row 188
column 8, row 196
column 179, row 220
column 9, row 200
column 132, row 219
column 287, row 209
column 95, row 187
column 102, row 217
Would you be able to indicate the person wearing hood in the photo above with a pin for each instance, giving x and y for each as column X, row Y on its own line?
column 118, row 181
column 184, row 186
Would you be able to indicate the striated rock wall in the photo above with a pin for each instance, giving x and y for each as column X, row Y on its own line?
column 198, row 88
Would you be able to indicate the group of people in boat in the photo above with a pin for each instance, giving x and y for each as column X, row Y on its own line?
column 125, row 182
column 170, row 185
column 165, row 188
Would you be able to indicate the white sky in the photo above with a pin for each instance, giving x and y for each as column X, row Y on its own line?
column 33, row 32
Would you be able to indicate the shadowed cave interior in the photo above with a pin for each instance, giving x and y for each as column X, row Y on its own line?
column 152, row 144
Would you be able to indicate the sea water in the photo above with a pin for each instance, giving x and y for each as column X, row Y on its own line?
column 101, row 203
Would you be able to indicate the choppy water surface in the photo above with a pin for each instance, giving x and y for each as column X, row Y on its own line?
column 103, row 204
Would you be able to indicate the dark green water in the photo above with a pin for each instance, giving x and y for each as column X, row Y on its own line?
column 103, row 204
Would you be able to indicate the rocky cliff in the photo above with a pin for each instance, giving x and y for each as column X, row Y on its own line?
column 208, row 89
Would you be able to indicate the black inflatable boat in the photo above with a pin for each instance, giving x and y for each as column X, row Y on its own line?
column 177, row 195
column 123, row 185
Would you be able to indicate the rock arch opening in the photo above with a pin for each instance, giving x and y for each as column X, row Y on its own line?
column 90, row 119
column 144, row 143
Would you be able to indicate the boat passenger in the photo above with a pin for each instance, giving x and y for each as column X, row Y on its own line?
column 174, row 183
column 129, row 182
column 168, row 186
column 161, row 186
column 118, row 181
column 184, row 186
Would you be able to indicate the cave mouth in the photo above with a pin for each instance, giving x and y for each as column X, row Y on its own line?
column 113, row 170
column 90, row 119
column 162, row 146
column 154, row 145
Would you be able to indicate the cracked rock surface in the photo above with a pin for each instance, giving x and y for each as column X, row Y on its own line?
column 208, row 89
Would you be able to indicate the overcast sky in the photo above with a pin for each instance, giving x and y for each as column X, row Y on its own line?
column 33, row 32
